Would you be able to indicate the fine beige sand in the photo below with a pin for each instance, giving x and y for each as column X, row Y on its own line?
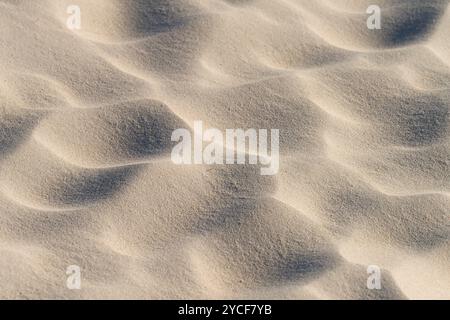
column 86, row 178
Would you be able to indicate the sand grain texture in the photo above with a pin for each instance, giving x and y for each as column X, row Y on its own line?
column 86, row 176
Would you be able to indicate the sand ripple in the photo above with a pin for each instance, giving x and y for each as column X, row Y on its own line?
column 86, row 178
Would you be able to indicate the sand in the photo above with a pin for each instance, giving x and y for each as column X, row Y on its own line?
column 86, row 176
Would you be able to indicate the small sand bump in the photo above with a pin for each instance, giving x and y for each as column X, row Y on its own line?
column 87, row 180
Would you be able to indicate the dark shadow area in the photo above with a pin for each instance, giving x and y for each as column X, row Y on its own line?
column 155, row 16
column 89, row 188
column 146, row 127
column 424, row 123
column 16, row 129
column 408, row 24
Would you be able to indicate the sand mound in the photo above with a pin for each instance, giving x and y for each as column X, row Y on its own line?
column 86, row 179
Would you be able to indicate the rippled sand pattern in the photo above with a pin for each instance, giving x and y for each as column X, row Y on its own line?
column 86, row 177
